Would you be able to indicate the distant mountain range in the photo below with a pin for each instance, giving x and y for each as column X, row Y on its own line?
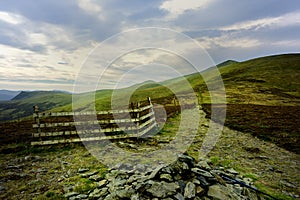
column 8, row 94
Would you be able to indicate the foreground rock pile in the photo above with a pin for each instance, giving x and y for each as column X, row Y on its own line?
column 183, row 179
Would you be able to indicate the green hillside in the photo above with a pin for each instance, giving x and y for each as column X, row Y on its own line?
column 272, row 80
column 22, row 104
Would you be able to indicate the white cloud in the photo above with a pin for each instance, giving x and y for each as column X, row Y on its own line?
column 178, row 7
column 11, row 18
column 229, row 41
column 89, row 6
column 28, row 67
column 287, row 43
column 290, row 19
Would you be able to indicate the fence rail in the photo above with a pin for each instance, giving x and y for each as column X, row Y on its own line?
column 50, row 131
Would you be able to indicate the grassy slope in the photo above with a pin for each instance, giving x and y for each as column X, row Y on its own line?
column 22, row 105
column 272, row 80
column 268, row 80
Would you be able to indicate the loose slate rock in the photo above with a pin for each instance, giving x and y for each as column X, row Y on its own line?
column 162, row 189
column 182, row 179
column 71, row 194
column 82, row 170
column 189, row 190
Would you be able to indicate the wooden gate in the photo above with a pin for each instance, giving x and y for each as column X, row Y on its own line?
column 60, row 127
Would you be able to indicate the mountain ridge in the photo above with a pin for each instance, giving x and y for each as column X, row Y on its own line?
column 6, row 95
column 253, row 81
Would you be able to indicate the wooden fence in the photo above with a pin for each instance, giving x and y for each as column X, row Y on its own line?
column 60, row 127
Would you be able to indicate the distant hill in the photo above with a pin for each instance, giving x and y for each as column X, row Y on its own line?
column 22, row 104
column 7, row 94
column 227, row 62
column 271, row 80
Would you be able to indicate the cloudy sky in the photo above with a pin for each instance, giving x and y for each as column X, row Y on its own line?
column 44, row 44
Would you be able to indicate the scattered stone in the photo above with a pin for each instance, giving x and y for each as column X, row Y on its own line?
column 101, row 183
column 179, row 196
column 155, row 172
column 71, row 194
column 162, row 189
column 87, row 175
column 140, row 168
column 232, row 171
column 15, row 166
column 96, row 194
column 199, row 191
column 287, row 184
column 125, row 193
column 262, row 157
column 220, row 192
column 189, row 190
column 202, row 172
column 203, row 164
column 166, row 177
column 32, row 158
column 182, row 179
column 95, row 178
column 82, row 170
column 82, row 196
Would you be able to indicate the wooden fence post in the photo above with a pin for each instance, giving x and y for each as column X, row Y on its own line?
column 152, row 110
column 149, row 100
column 138, row 117
column 37, row 118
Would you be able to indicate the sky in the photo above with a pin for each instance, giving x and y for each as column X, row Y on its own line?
column 49, row 44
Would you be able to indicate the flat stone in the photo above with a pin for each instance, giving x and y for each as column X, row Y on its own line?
column 187, row 159
column 262, row 157
column 82, row 170
column 140, row 168
column 125, row 194
column 202, row 172
column 166, row 177
column 190, row 190
column 135, row 197
column 179, row 196
column 82, row 196
column 162, row 189
column 155, row 172
column 203, row 181
column 232, row 171
column 203, row 164
column 95, row 178
column 103, row 192
column 101, row 183
column 196, row 182
column 71, row 194
column 87, row 175
column 287, row 184
column 220, row 192
column 199, row 191
column 167, row 170
column 96, row 194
